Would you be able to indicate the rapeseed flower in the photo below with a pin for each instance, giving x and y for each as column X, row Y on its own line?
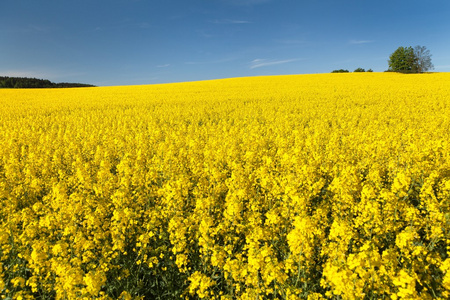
column 286, row 187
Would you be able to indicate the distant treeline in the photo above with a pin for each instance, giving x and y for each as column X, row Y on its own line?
column 25, row 82
column 347, row 71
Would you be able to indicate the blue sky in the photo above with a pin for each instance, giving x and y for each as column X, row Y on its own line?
column 125, row 42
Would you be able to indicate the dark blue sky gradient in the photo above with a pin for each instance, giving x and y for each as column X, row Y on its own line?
column 119, row 42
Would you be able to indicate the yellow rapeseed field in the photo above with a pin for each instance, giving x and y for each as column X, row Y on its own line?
column 283, row 187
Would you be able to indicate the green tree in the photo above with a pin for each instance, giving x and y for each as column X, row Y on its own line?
column 403, row 60
column 410, row 60
column 24, row 82
column 359, row 70
column 340, row 71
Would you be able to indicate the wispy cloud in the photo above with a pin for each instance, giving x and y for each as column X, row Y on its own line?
column 163, row 66
column 442, row 67
column 39, row 28
column 258, row 63
column 143, row 25
column 290, row 41
column 358, row 42
column 230, row 21
column 123, row 25
column 217, row 61
column 245, row 2
column 205, row 34
column 28, row 29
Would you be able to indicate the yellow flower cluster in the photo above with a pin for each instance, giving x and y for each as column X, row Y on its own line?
column 286, row 187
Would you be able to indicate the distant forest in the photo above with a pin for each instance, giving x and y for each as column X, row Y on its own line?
column 34, row 83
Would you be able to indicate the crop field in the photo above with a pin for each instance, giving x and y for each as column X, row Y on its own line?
column 326, row 186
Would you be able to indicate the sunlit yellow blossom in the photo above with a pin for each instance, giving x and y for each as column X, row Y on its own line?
column 200, row 283
column 94, row 282
column 275, row 187
column 18, row 282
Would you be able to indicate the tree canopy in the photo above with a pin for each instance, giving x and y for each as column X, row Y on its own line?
column 340, row 71
column 410, row 60
column 25, row 82
column 423, row 57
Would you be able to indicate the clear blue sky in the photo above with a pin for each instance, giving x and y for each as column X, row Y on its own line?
column 123, row 42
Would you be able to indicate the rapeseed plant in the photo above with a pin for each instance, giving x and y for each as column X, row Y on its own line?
column 286, row 187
